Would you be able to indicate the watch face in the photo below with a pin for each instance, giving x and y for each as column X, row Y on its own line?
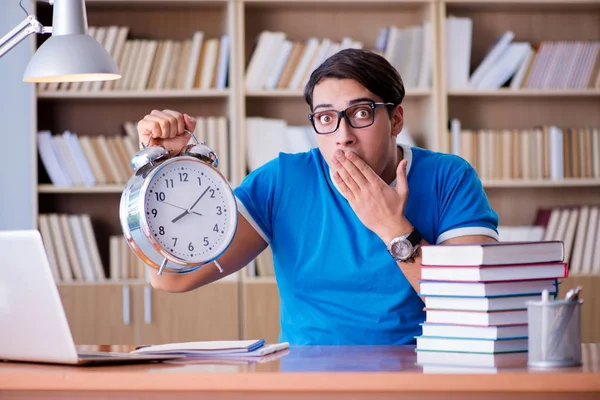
column 401, row 249
column 190, row 210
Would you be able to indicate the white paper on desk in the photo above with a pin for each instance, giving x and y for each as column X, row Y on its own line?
column 260, row 352
column 204, row 348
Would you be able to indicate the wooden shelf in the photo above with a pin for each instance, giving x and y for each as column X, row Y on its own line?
column 525, row 93
column 541, row 183
column 146, row 94
column 49, row 188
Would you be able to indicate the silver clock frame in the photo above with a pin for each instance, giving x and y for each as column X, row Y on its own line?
column 135, row 227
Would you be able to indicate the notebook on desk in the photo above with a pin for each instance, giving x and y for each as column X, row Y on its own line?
column 34, row 324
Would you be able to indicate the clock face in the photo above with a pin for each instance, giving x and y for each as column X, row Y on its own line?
column 190, row 210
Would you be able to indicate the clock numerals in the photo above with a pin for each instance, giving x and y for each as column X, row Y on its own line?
column 206, row 242
column 199, row 181
column 216, row 228
column 154, row 212
column 212, row 193
column 169, row 183
column 183, row 177
column 174, row 241
column 161, row 230
column 190, row 247
column 219, row 210
column 160, row 196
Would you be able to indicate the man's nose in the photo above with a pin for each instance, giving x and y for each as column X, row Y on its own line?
column 344, row 134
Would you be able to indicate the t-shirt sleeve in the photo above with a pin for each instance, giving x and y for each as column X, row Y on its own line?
column 255, row 197
column 464, row 207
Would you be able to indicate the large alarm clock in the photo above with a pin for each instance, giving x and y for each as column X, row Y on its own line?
column 178, row 211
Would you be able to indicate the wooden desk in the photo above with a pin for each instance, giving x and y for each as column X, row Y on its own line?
column 314, row 373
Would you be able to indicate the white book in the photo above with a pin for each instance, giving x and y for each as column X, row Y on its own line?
column 580, row 238
column 223, row 68
column 117, row 55
column 556, row 153
column 309, row 51
column 85, row 260
column 471, row 345
column 458, row 51
column 477, row 318
column 491, row 57
column 81, row 161
column 505, row 66
column 258, row 59
column 49, row 245
column 276, row 41
column 193, row 60
column 71, row 247
column 455, row 135
column 319, row 57
column 92, row 246
column 495, row 253
column 479, row 303
column 283, row 54
column 66, row 273
column 425, row 63
column 146, row 60
column 475, row 332
column 68, row 159
column 109, row 45
column 590, row 240
column 486, row 289
column 49, row 158
column 453, row 362
column 413, row 58
column 209, row 63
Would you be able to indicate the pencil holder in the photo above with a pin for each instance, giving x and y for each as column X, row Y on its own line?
column 554, row 332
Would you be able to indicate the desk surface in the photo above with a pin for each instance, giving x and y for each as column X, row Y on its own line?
column 302, row 369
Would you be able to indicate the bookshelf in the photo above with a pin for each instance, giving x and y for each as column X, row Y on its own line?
column 249, row 306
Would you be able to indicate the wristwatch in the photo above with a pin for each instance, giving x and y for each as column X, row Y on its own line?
column 404, row 248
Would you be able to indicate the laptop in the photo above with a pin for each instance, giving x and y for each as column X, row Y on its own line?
column 34, row 326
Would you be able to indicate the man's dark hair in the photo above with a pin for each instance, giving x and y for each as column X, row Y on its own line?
column 366, row 67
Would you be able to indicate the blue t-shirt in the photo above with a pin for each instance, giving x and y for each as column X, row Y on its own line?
column 337, row 282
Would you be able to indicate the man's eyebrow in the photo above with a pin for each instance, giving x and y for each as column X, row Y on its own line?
column 323, row 106
column 354, row 101
column 362, row 100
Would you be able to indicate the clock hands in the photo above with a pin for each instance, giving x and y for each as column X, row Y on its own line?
column 181, row 208
column 189, row 210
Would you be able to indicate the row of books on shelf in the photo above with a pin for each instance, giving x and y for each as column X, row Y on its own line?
column 279, row 63
column 578, row 227
column 71, row 247
column 73, row 254
column 476, row 301
column 543, row 65
column 542, row 152
column 199, row 62
column 80, row 160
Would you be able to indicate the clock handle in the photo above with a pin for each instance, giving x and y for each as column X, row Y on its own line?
column 162, row 266
column 218, row 264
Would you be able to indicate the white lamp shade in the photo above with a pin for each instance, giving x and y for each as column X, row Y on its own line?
column 71, row 58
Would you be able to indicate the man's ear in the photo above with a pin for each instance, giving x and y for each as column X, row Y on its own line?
column 397, row 120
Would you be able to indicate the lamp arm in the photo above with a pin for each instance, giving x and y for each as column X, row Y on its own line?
column 27, row 27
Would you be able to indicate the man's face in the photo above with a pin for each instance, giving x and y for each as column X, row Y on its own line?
column 373, row 143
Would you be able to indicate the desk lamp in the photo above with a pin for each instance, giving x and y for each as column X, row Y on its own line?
column 70, row 54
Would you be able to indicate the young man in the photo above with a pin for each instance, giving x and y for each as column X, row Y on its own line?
column 345, row 221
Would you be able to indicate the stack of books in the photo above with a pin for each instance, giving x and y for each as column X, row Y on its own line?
column 475, row 301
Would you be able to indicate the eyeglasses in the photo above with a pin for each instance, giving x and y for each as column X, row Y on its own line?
column 357, row 116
